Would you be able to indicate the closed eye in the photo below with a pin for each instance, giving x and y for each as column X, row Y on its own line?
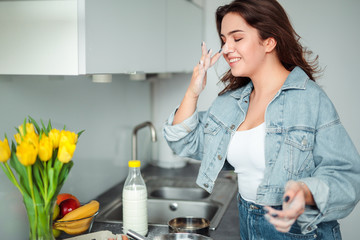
column 237, row 40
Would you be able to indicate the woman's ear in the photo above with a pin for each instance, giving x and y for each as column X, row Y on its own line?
column 270, row 44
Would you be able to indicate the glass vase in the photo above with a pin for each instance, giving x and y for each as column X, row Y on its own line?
column 40, row 215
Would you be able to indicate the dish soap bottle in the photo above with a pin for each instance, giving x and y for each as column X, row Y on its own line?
column 134, row 198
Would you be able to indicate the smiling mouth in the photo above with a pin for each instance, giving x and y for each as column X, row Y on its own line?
column 234, row 60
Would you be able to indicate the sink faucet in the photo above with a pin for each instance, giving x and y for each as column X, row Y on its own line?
column 134, row 136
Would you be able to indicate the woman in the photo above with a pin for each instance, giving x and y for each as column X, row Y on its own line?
column 298, row 171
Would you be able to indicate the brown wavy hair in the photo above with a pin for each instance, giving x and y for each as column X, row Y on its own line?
column 270, row 20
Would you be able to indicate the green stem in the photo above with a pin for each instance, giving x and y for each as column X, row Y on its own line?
column 55, row 180
column 61, row 165
column 13, row 179
column 32, row 192
column 46, row 183
column 40, row 221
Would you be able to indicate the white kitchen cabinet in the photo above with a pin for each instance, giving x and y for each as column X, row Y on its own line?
column 76, row 37
column 38, row 37
column 125, row 36
column 184, row 34
column 164, row 36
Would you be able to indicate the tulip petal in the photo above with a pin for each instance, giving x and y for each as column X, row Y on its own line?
column 4, row 150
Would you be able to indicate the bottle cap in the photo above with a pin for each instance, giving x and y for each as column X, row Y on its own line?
column 134, row 163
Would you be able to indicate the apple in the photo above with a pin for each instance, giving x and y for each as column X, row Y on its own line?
column 63, row 196
column 67, row 206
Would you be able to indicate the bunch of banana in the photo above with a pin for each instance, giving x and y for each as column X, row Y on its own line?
column 78, row 220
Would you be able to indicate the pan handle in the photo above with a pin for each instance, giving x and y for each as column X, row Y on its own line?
column 135, row 235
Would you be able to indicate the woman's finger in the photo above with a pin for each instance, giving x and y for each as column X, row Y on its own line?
column 292, row 212
column 291, row 189
column 284, row 230
column 295, row 206
column 204, row 81
column 200, row 77
column 281, row 219
column 201, row 70
column 281, row 224
column 207, row 59
column 204, row 51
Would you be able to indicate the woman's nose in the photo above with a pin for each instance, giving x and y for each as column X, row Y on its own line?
column 227, row 48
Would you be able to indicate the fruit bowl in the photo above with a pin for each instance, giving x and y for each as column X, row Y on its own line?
column 77, row 226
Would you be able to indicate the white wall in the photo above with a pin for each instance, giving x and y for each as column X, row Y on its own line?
column 330, row 29
column 107, row 112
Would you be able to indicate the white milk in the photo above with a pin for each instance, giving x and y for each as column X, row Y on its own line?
column 135, row 209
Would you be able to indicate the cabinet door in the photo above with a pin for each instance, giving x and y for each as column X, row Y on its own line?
column 38, row 37
column 184, row 33
column 123, row 36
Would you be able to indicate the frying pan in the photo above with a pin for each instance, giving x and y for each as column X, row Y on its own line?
column 183, row 236
column 189, row 225
column 169, row 236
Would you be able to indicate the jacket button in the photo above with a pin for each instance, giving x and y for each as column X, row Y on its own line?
column 206, row 125
column 232, row 127
column 219, row 157
column 304, row 142
column 206, row 185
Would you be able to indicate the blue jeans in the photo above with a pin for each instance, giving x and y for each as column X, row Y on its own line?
column 254, row 226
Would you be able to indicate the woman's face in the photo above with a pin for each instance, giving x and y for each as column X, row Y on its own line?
column 243, row 49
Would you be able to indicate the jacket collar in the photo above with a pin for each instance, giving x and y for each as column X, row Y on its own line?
column 297, row 79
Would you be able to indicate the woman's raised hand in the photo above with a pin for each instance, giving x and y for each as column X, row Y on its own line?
column 198, row 79
column 197, row 84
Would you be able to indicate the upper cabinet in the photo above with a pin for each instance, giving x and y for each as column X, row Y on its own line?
column 38, row 37
column 75, row 37
column 125, row 36
column 184, row 34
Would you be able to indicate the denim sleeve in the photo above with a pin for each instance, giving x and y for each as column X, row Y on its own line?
column 335, row 183
column 186, row 138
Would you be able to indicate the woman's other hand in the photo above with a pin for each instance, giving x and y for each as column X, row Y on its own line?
column 198, row 79
column 296, row 196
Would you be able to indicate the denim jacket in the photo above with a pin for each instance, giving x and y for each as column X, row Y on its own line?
column 305, row 141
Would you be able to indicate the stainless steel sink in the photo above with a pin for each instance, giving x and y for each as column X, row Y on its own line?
column 179, row 193
column 175, row 188
column 177, row 197
column 160, row 211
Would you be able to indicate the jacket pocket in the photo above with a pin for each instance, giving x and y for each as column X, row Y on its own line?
column 211, row 127
column 336, row 232
column 299, row 144
column 295, row 233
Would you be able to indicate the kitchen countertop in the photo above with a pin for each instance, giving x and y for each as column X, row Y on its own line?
column 229, row 225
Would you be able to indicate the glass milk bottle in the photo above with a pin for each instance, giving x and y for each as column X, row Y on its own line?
column 134, row 198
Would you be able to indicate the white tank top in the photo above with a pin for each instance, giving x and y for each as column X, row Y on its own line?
column 246, row 153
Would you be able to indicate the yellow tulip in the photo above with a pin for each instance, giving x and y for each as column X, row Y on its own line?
column 45, row 148
column 26, row 153
column 67, row 136
column 4, row 150
column 29, row 129
column 66, row 151
column 32, row 138
column 55, row 137
column 17, row 138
